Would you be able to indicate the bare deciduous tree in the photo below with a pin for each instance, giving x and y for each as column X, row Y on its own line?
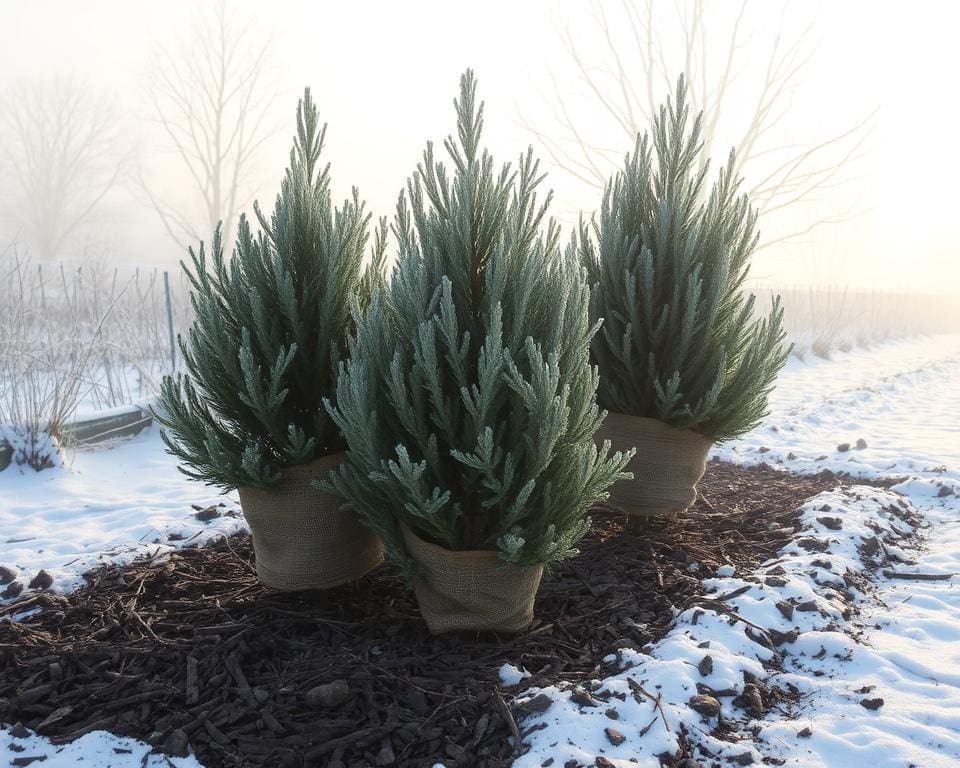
column 626, row 82
column 61, row 148
column 211, row 102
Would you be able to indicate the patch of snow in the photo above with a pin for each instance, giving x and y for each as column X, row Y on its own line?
column 726, row 639
column 98, row 749
column 511, row 675
column 109, row 504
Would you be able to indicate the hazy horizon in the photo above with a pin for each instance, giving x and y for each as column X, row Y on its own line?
column 384, row 78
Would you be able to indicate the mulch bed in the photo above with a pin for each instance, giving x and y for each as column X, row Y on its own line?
column 193, row 650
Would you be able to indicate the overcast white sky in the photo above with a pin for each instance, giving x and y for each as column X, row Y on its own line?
column 384, row 75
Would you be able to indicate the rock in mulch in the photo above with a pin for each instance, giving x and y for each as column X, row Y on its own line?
column 614, row 736
column 207, row 514
column 831, row 523
column 705, row 667
column 328, row 695
column 176, row 744
column 42, row 580
column 705, row 705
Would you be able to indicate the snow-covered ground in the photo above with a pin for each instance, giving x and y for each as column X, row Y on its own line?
column 902, row 399
column 107, row 503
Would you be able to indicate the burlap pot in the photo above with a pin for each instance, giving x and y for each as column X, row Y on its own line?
column 301, row 537
column 667, row 466
column 471, row 590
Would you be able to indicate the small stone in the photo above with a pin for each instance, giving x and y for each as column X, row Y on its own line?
column 705, row 705
column 831, row 523
column 779, row 638
column 583, row 698
column 42, row 580
column 210, row 513
column 870, row 546
column 791, row 456
column 689, row 762
column 743, row 759
column 843, row 447
column 872, row 704
column 547, row 763
column 945, row 490
column 775, row 581
column 602, row 762
column 614, row 736
column 786, row 609
column 571, row 763
column 812, row 544
column 808, row 607
column 538, row 704
column 751, row 701
column 806, row 733
column 19, row 732
column 328, row 695
column 386, row 754
column 8, row 574
column 176, row 744
column 705, row 666
column 861, row 444
column 819, row 563
column 612, row 713
column 13, row 589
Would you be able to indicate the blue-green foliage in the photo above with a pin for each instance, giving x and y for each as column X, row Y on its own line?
column 468, row 403
column 680, row 340
column 271, row 328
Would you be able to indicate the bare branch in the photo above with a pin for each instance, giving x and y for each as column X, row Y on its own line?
column 628, row 80
column 211, row 103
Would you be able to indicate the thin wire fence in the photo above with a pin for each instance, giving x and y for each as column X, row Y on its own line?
column 92, row 336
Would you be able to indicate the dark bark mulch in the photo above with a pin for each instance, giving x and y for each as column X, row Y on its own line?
column 195, row 651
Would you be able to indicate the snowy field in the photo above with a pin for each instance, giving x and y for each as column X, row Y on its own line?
column 891, row 639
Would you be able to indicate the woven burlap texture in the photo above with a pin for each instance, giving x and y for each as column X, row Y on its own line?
column 666, row 468
column 302, row 538
column 471, row 590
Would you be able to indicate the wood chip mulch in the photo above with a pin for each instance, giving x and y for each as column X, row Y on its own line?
column 191, row 652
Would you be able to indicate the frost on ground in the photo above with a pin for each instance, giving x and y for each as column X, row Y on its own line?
column 752, row 651
column 796, row 658
column 105, row 504
column 870, row 678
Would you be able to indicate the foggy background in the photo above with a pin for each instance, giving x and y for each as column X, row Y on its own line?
column 871, row 97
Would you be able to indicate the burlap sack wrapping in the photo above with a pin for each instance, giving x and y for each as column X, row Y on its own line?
column 301, row 537
column 667, row 466
column 471, row 590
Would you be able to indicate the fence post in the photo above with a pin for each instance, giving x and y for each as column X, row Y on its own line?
column 173, row 340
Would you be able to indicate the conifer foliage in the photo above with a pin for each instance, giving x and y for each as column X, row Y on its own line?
column 680, row 341
column 271, row 328
column 468, row 403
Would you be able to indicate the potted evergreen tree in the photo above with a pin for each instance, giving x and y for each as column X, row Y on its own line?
column 684, row 358
column 271, row 327
column 468, row 402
